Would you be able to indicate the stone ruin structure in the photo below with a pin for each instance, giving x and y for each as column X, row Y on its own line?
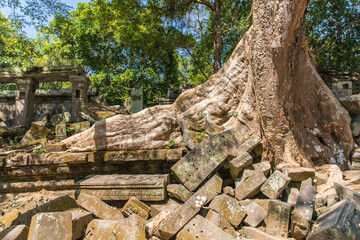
column 28, row 79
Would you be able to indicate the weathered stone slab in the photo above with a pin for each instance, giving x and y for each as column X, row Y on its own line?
column 221, row 222
column 229, row 208
column 74, row 158
column 62, row 203
column 134, row 206
column 303, row 210
column 249, row 186
column 99, row 208
column 200, row 162
column 229, row 191
column 131, row 228
column 36, row 131
column 80, row 220
column 18, row 232
column 253, row 233
column 80, row 126
column 201, row 228
column 153, row 224
column 265, row 167
column 123, row 187
column 54, row 226
column 278, row 218
column 299, row 174
column 239, row 163
column 60, row 131
column 275, row 185
column 255, row 214
column 191, row 207
column 179, row 192
column 168, row 205
column 55, row 147
column 290, row 195
column 101, row 229
column 347, row 193
column 9, row 219
column 252, row 142
column 341, row 221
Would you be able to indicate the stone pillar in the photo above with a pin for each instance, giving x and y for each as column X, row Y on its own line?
column 24, row 101
column 137, row 100
column 79, row 96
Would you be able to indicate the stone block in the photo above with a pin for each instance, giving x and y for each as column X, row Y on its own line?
column 54, row 226
column 251, row 143
column 341, row 221
column 229, row 208
column 179, row 192
column 333, row 173
column 275, row 185
column 220, row 222
column 59, row 204
column 18, row 232
column 153, row 224
column 255, row 214
column 190, row 208
column 290, row 195
column 55, row 147
column 253, row 233
column 265, row 167
column 80, row 126
column 229, row 191
column 132, row 228
column 99, row 208
column 60, row 131
column 303, row 210
column 174, row 154
column 320, row 179
column 168, row 205
column 101, row 229
column 74, row 158
column 278, row 218
column 10, row 218
column 239, row 163
column 250, row 186
column 36, row 131
column 201, row 228
column 347, row 193
column 202, row 161
column 134, row 206
column 145, row 187
column 299, row 174
column 80, row 220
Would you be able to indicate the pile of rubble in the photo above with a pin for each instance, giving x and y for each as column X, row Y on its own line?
column 218, row 190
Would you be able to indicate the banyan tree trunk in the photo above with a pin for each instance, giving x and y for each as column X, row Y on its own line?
column 271, row 85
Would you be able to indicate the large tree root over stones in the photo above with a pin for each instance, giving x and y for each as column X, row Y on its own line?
column 271, row 85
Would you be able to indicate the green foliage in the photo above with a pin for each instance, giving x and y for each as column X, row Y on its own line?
column 200, row 136
column 172, row 144
column 39, row 150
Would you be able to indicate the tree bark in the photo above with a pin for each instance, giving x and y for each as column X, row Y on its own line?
column 272, row 85
column 217, row 36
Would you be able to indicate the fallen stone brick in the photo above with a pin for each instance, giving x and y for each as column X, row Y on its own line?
column 347, row 193
column 18, row 232
column 134, row 206
column 190, row 208
column 320, row 179
column 239, row 163
column 264, row 203
column 290, row 195
column 333, row 173
column 351, row 174
column 36, row 131
column 303, row 210
column 153, row 225
column 168, row 205
column 299, row 174
column 253, row 233
column 54, row 226
column 221, row 222
column 145, row 187
column 59, row 204
column 101, row 229
column 229, row 208
column 179, row 192
column 10, row 218
column 80, row 220
column 131, row 228
column 275, row 185
column 251, row 143
column 202, row 161
column 229, row 191
column 265, row 167
column 341, row 221
column 250, row 186
column 55, row 147
column 99, row 208
column 201, row 228
column 255, row 214
column 74, row 158
column 278, row 218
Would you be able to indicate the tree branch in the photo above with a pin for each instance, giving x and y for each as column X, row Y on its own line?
column 206, row 3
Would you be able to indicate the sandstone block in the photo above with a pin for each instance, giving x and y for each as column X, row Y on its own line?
column 80, row 220
column 253, row 233
column 54, row 226
column 144, row 187
column 74, row 158
column 278, row 218
column 179, row 192
column 341, row 221
column 190, row 208
column 10, row 218
column 239, row 163
column 201, row 228
column 250, row 186
column 255, row 214
column 36, row 131
column 55, row 147
column 299, row 174
column 99, row 208
column 275, row 185
column 168, row 205
column 347, row 193
column 229, row 191
column 265, row 167
column 202, row 161
column 333, row 173
column 229, row 208
column 18, row 232
column 132, row 228
column 59, row 204
column 134, row 206
column 153, row 224
column 290, row 195
column 221, row 222
column 101, row 229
